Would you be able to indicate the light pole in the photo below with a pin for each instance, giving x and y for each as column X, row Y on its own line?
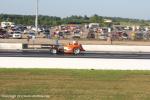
column 36, row 19
column 36, row 24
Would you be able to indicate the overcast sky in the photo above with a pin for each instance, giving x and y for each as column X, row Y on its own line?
column 62, row 8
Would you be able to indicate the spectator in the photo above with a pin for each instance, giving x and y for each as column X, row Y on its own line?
column 28, row 39
column 56, row 37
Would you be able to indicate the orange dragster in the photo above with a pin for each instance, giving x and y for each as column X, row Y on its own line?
column 74, row 48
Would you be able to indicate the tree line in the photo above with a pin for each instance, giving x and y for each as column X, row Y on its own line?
column 74, row 19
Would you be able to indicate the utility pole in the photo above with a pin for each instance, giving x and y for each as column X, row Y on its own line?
column 36, row 24
column 36, row 19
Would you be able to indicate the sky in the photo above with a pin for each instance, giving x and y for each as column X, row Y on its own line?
column 138, row 9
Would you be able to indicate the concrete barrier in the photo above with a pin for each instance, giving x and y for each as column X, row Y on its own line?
column 75, row 63
column 116, row 48
column 11, row 46
column 99, row 48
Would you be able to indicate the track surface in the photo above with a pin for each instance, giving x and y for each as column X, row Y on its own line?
column 46, row 54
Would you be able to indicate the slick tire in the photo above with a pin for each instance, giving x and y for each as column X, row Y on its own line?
column 76, row 51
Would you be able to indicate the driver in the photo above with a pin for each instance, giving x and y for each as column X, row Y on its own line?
column 75, row 43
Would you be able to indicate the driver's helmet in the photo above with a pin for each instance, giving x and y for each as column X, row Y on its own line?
column 75, row 42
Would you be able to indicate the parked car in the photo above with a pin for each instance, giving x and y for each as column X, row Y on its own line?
column 125, row 36
column 139, row 35
column 3, row 34
column 103, row 36
column 91, row 36
column 76, row 35
column 17, row 35
column 46, row 33
column 31, row 35
column 61, row 34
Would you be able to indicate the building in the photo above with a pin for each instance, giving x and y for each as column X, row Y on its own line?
column 107, row 21
column 7, row 24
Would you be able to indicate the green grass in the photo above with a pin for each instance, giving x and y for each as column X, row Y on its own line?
column 61, row 84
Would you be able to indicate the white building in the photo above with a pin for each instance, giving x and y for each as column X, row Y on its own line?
column 94, row 25
column 7, row 24
column 107, row 21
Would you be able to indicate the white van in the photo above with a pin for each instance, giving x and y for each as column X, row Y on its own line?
column 17, row 35
column 7, row 24
column 94, row 25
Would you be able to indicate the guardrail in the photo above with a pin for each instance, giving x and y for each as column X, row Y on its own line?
column 97, row 48
column 11, row 46
column 116, row 48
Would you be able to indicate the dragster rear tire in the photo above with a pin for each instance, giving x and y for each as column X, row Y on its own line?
column 76, row 51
